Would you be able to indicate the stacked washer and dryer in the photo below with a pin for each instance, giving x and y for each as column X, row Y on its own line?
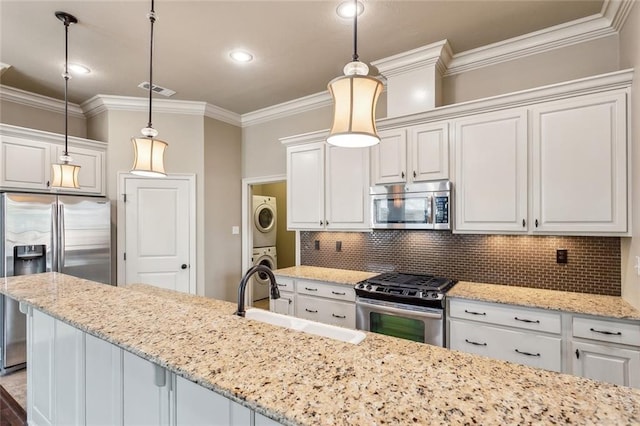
column 264, row 242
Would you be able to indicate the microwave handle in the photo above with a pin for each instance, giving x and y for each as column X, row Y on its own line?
column 431, row 208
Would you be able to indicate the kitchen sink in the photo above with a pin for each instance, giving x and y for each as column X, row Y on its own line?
column 306, row 326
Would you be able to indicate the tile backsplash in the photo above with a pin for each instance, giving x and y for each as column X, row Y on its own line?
column 593, row 264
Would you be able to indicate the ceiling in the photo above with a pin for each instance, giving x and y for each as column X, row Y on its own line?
column 299, row 46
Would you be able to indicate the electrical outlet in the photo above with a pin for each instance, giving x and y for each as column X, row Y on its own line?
column 316, row 244
column 562, row 256
column 338, row 245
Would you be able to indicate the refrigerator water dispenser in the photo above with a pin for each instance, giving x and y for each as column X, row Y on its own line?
column 30, row 259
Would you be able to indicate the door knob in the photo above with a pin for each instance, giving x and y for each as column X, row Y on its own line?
column 183, row 266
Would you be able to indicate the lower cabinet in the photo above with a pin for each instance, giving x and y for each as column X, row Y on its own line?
column 321, row 301
column 77, row 379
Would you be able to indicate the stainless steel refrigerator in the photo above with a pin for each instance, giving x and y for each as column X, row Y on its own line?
column 42, row 233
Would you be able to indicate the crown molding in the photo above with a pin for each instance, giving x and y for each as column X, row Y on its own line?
column 22, row 97
column 285, row 109
column 617, row 12
column 436, row 54
column 49, row 137
column 4, row 67
column 304, row 138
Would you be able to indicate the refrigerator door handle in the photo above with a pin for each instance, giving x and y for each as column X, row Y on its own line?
column 62, row 238
column 54, row 237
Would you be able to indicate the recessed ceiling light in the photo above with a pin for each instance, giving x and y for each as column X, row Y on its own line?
column 241, row 56
column 346, row 9
column 79, row 69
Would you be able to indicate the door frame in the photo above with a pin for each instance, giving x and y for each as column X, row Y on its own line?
column 247, row 225
column 121, row 225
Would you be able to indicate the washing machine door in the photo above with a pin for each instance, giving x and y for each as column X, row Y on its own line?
column 264, row 218
column 261, row 277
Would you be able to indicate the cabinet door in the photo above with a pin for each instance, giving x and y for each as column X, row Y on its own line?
column 606, row 363
column 40, row 380
column 25, row 164
column 327, row 311
column 580, row 165
column 103, row 382
column 389, row 158
column 491, row 172
column 305, row 186
column 347, row 188
column 145, row 392
column 196, row 405
column 68, row 374
column 429, row 152
column 285, row 305
column 92, row 166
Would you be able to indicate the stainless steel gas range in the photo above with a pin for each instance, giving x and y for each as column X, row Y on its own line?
column 408, row 306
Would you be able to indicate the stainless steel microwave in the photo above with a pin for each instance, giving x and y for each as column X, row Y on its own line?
column 411, row 206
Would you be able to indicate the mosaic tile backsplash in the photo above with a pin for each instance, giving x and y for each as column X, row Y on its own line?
column 593, row 264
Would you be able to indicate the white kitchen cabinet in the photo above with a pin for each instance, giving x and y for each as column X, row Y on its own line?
column 25, row 164
column 196, row 405
column 491, row 172
column 68, row 374
column 103, row 382
column 286, row 304
column 261, row 420
column 413, row 154
column 606, row 350
column 579, row 164
column 327, row 311
column 26, row 156
column 327, row 187
column 511, row 333
column 145, row 392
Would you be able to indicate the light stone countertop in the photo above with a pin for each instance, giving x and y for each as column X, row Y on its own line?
column 339, row 276
column 578, row 303
column 297, row 378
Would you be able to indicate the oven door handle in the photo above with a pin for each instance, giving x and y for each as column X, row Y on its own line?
column 432, row 313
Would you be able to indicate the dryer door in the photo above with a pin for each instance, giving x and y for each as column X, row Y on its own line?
column 264, row 218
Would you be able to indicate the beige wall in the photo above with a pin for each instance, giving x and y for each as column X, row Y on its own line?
column 223, row 209
column 285, row 240
column 630, row 57
column 35, row 118
column 568, row 63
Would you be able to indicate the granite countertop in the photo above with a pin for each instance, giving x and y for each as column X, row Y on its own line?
column 579, row 303
column 296, row 378
column 339, row 276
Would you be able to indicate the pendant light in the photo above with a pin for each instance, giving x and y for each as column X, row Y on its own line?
column 64, row 174
column 355, row 96
column 149, row 151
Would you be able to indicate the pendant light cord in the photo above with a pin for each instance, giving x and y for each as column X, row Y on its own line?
column 152, row 19
column 355, row 30
column 66, row 85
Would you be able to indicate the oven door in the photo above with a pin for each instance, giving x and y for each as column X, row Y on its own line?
column 417, row 323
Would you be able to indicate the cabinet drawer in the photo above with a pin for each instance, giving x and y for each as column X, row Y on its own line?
column 333, row 291
column 607, row 331
column 284, row 283
column 326, row 311
column 507, row 315
column 509, row 345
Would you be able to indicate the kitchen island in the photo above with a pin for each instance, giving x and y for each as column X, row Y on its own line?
column 296, row 378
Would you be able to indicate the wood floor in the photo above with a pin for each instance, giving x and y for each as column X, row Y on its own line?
column 11, row 413
column 262, row 304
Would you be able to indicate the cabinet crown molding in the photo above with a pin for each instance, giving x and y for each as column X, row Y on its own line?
column 49, row 137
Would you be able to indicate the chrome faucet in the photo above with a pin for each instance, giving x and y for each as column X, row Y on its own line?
column 275, row 293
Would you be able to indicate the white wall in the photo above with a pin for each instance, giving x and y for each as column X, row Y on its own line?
column 630, row 58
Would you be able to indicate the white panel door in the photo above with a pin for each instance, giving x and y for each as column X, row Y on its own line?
column 429, row 152
column 305, row 186
column 92, row 163
column 389, row 158
column 145, row 392
column 40, row 379
column 491, row 172
column 24, row 163
column 159, row 233
column 103, row 382
column 68, row 374
column 580, row 164
column 347, row 188
column 606, row 363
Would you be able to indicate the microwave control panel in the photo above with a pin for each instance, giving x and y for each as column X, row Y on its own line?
column 441, row 209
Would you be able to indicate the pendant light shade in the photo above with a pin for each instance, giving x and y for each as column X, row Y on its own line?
column 64, row 174
column 355, row 97
column 149, row 151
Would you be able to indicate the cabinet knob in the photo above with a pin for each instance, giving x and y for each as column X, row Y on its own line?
column 183, row 266
column 536, row 223
column 321, row 223
column 578, row 353
column 524, row 223
column 415, row 174
column 402, row 175
column 48, row 184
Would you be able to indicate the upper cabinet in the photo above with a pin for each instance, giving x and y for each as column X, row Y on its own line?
column 579, row 164
column 327, row 186
column 412, row 154
column 26, row 156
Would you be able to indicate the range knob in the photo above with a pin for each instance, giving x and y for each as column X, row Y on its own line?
column 368, row 286
column 360, row 285
column 434, row 295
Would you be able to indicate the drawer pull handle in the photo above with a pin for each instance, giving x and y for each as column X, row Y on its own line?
column 311, row 311
column 526, row 320
column 338, row 293
column 339, row 316
column 475, row 343
column 610, row 333
column 475, row 313
column 526, row 353
column 282, row 285
column 311, row 289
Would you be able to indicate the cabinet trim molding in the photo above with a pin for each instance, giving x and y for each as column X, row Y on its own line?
column 49, row 137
